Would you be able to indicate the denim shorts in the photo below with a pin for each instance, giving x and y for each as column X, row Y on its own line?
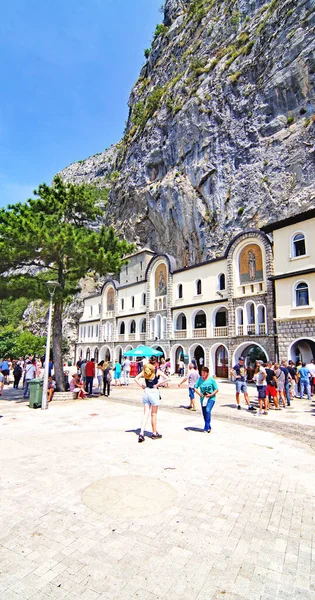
column 151, row 396
column 240, row 386
column 261, row 389
column 191, row 392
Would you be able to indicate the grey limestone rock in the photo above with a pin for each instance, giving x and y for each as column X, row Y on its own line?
column 220, row 135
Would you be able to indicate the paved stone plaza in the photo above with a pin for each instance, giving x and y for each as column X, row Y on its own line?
column 87, row 513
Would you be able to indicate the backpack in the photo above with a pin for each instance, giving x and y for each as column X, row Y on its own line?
column 108, row 377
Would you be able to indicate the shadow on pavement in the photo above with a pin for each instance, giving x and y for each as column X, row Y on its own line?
column 196, row 429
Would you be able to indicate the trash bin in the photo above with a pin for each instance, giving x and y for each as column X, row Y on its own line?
column 69, row 363
column 36, row 392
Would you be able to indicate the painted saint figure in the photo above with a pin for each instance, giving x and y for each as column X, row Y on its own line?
column 251, row 265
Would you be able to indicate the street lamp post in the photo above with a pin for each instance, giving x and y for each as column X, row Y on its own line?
column 52, row 285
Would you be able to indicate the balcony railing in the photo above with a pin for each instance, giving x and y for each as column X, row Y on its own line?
column 142, row 336
column 109, row 314
column 240, row 330
column 199, row 333
column 251, row 329
column 121, row 337
column 179, row 334
column 132, row 337
column 220, row 331
column 262, row 328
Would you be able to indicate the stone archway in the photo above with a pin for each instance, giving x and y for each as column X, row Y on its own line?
column 219, row 361
column 302, row 349
column 177, row 354
column 198, row 352
column 251, row 352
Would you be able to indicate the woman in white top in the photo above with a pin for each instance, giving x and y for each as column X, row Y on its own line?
column 99, row 374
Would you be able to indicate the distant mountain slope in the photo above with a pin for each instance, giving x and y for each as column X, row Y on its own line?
column 220, row 135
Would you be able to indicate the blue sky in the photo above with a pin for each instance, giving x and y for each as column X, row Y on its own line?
column 67, row 68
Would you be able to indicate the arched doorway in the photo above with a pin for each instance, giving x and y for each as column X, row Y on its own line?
column 198, row 353
column 88, row 354
column 104, row 354
column 160, row 349
column 222, row 362
column 177, row 354
column 303, row 350
column 251, row 353
column 96, row 353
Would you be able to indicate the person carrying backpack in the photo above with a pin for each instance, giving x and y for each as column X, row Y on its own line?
column 153, row 379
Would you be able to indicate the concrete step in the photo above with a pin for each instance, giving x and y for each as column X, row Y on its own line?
column 63, row 396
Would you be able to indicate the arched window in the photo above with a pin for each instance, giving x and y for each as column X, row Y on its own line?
column 200, row 320
column 180, row 290
column 122, row 328
column 144, row 326
column 221, row 281
column 181, row 322
column 133, row 326
column 132, row 301
column 301, row 294
column 122, row 304
column 299, row 245
column 144, row 299
column 96, row 355
column 198, row 287
column 221, row 318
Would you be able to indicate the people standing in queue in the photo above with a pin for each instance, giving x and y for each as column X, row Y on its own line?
column 153, row 378
column 239, row 374
column 207, row 388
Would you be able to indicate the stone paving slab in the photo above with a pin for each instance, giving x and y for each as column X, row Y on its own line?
column 238, row 522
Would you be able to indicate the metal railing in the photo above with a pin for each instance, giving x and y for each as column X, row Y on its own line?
column 240, row 330
column 251, row 329
column 262, row 328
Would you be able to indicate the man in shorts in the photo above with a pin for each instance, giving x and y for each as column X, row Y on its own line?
column 192, row 378
column 153, row 379
column 271, row 391
column 239, row 374
column 260, row 379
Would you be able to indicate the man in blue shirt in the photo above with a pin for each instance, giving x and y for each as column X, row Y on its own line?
column 304, row 374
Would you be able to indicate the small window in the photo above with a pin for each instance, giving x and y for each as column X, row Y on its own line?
column 91, row 310
column 180, row 290
column 144, row 299
column 126, row 270
column 141, row 265
column 198, row 287
column 122, row 304
column 301, row 294
column 132, row 301
column 299, row 245
column 221, row 281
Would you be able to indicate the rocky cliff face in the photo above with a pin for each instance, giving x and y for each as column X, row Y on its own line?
column 220, row 135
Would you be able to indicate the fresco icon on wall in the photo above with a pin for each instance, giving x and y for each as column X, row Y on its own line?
column 110, row 300
column 250, row 264
column 160, row 281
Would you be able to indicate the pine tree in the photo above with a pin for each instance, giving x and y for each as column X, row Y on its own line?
column 51, row 238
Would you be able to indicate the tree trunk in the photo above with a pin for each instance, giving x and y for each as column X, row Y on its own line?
column 57, row 347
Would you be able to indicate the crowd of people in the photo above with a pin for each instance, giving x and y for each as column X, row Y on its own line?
column 276, row 383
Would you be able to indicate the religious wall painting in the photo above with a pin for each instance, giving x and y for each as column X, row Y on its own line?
column 251, row 264
column 160, row 280
column 110, row 300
